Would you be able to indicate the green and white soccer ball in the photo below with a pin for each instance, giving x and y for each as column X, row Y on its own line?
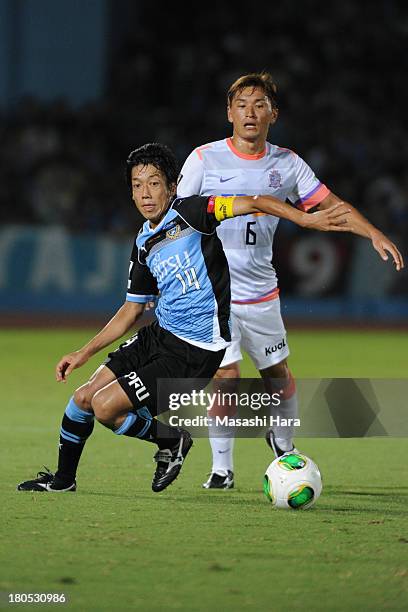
column 292, row 481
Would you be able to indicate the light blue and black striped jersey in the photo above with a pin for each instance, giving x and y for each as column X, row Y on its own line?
column 182, row 261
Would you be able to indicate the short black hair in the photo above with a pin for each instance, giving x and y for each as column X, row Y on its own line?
column 159, row 156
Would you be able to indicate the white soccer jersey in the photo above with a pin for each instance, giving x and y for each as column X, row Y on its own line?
column 218, row 168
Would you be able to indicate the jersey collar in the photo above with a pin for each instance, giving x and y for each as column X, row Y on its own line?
column 245, row 155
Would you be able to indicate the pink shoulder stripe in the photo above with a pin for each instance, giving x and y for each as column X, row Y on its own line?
column 199, row 150
column 286, row 151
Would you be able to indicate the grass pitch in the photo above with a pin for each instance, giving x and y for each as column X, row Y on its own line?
column 114, row 545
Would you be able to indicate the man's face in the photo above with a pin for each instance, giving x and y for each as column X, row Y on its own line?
column 251, row 113
column 150, row 192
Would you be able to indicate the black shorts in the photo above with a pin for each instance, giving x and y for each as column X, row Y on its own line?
column 155, row 353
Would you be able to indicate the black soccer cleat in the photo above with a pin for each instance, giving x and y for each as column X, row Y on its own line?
column 47, row 481
column 271, row 442
column 217, row 481
column 170, row 461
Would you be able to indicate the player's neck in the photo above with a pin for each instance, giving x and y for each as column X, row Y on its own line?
column 153, row 223
column 248, row 147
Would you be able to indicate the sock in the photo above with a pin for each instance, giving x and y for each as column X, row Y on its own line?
column 222, row 437
column 76, row 427
column 143, row 426
column 287, row 409
column 222, row 452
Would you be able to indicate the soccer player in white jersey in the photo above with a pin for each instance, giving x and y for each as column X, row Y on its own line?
column 247, row 164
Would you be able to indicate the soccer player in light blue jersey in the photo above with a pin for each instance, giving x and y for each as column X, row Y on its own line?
column 177, row 255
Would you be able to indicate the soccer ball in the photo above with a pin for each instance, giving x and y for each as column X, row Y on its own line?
column 292, row 481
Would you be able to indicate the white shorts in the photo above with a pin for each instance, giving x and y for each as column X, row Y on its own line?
column 259, row 330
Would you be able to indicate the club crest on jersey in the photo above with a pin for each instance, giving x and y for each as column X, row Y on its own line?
column 275, row 179
column 173, row 233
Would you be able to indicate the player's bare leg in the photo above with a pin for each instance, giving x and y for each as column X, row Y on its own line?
column 111, row 405
column 76, row 427
column 278, row 379
column 99, row 379
column 222, row 438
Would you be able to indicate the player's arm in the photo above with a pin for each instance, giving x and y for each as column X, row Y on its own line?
column 120, row 323
column 332, row 219
column 356, row 223
column 141, row 288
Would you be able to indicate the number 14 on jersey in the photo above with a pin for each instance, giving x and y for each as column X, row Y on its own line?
column 188, row 278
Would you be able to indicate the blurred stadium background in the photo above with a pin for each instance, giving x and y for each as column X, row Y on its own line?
column 84, row 82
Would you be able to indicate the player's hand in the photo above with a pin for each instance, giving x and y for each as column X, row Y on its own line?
column 333, row 219
column 67, row 363
column 382, row 244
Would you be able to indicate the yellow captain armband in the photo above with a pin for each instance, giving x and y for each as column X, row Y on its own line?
column 223, row 207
